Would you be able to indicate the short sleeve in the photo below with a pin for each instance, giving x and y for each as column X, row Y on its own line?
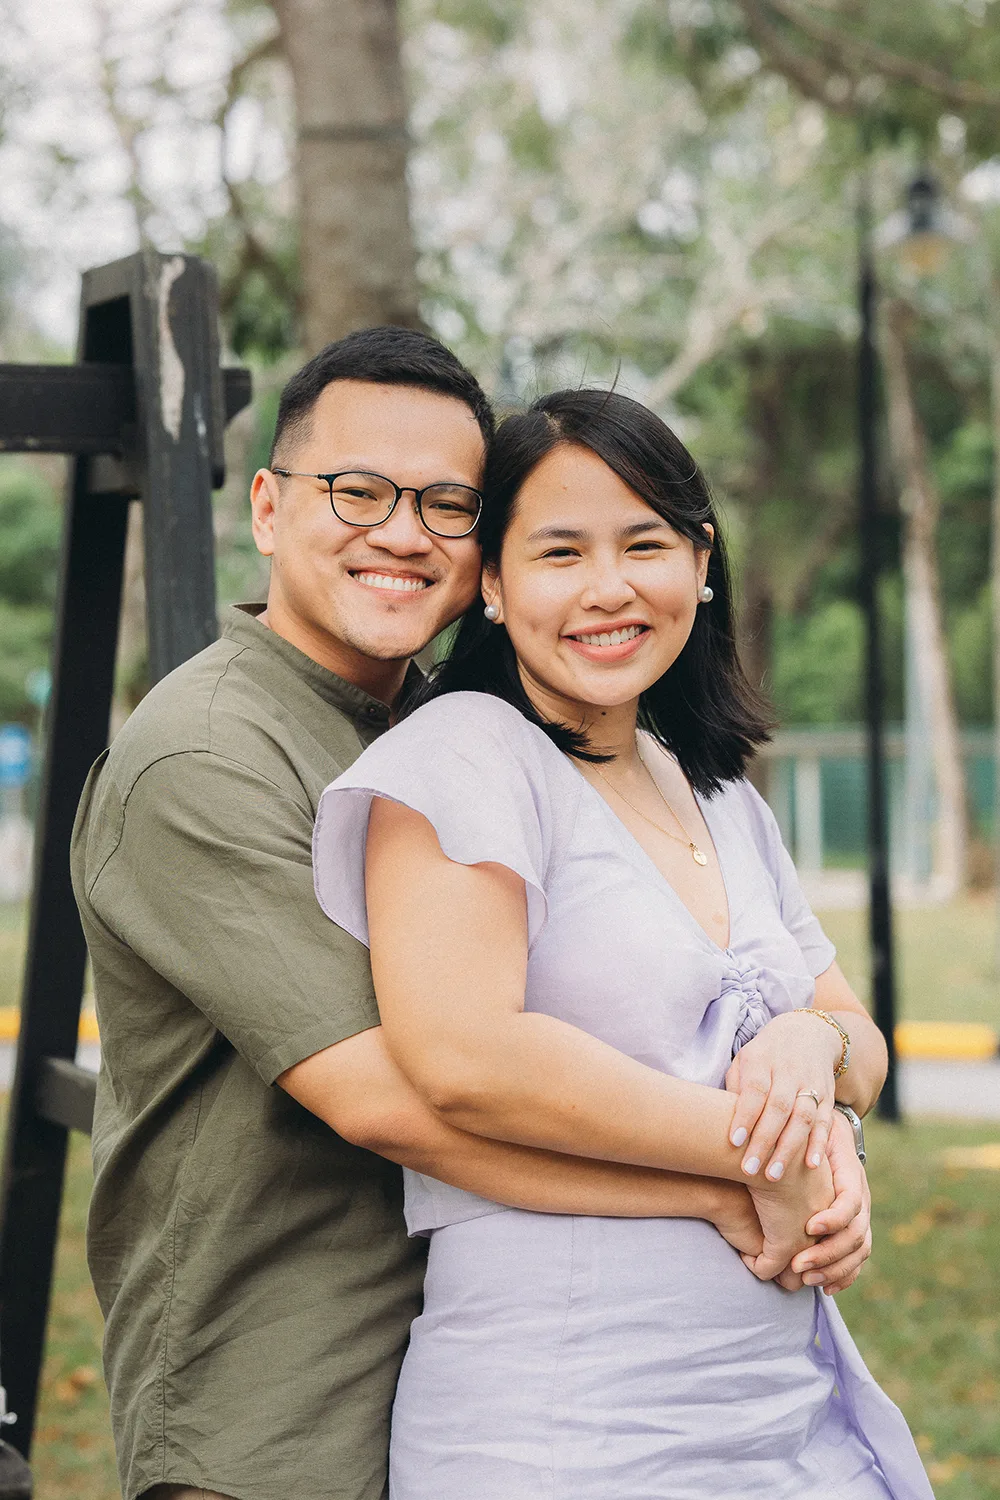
column 209, row 882
column 796, row 913
column 479, row 773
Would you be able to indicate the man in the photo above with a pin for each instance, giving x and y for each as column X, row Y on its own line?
column 249, row 1253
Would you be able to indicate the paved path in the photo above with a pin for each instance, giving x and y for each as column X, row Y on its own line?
column 959, row 1090
column 956, row 1090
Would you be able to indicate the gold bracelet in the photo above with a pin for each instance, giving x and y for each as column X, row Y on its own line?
column 845, row 1056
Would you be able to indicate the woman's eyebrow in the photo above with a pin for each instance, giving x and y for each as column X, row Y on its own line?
column 576, row 534
column 558, row 534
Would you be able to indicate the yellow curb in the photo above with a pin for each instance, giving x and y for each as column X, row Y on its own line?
column 10, row 1025
column 984, row 1158
column 967, row 1041
column 964, row 1041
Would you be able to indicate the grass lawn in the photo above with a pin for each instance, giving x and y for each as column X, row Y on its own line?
column 944, row 958
column 12, row 921
column 925, row 1315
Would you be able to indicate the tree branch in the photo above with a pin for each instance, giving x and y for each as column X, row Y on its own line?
column 851, row 54
column 811, row 78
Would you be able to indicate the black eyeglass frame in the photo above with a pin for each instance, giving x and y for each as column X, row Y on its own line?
column 401, row 490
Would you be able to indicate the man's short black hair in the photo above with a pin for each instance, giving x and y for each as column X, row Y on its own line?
column 385, row 356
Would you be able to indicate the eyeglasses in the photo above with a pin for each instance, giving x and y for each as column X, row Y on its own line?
column 360, row 499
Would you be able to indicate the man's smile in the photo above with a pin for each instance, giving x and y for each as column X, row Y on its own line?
column 391, row 583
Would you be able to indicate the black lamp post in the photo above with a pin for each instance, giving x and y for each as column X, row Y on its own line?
column 880, row 907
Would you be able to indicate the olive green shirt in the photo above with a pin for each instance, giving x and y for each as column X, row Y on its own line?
column 253, row 1268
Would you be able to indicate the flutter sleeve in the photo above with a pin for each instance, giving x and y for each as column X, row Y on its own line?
column 796, row 914
column 479, row 773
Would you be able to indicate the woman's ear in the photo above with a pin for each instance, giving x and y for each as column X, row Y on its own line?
column 492, row 593
column 704, row 553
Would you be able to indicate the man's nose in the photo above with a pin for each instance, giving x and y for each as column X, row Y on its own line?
column 403, row 534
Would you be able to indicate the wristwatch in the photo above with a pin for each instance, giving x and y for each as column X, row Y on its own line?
column 854, row 1120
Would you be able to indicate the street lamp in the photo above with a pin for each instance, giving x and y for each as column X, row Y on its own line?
column 921, row 236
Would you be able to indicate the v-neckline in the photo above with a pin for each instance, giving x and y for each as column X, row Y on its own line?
column 633, row 845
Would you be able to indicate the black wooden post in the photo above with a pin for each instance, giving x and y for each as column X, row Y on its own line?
column 144, row 412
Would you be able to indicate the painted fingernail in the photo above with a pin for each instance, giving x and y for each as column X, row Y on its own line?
column 738, row 1136
column 814, row 1278
column 815, row 1159
column 751, row 1165
column 775, row 1170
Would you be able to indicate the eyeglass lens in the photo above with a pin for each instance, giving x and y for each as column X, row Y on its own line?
column 367, row 500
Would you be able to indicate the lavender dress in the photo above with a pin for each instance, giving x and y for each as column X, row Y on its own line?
column 573, row 1358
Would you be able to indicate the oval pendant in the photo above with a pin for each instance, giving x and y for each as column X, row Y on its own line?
column 698, row 855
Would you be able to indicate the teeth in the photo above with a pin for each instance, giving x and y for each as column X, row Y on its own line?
column 392, row 582
column 615, row 638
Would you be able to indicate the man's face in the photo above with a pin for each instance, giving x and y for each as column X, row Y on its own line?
column 353, row 597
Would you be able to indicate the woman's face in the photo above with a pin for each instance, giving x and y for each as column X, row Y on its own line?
column 597, row 591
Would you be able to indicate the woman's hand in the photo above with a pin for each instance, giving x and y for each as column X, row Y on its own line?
column 775, row 1076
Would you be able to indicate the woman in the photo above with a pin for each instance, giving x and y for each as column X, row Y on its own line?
column 559, row 846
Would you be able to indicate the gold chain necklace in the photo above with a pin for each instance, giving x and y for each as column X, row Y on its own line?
column 698, row 855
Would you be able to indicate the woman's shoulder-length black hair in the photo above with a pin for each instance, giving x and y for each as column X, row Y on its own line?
column 702, row 709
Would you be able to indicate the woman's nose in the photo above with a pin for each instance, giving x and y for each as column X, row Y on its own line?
column 607, row 588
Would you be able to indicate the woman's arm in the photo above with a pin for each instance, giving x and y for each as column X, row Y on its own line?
column 449, row 959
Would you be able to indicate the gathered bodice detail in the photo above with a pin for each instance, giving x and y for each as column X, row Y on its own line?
column 743, row 978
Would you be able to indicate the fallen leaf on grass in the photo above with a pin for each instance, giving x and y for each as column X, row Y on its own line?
column 72, row 1386
column 945, row 1469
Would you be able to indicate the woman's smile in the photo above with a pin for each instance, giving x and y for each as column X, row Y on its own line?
column 608, row 643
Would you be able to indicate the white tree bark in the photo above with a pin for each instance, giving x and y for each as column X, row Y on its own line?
column 920, row 505
column 356, row 248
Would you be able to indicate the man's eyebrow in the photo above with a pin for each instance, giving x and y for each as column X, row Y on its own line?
column 573, row 534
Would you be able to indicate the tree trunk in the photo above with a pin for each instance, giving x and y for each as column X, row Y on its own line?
column 993, row 331
column 920, row 504
column 356, row 248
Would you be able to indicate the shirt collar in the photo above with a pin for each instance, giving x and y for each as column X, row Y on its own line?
column 242, row 625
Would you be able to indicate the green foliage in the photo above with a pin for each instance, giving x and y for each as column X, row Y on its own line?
column 971, row 650
column 29, row 528
column 818, row 666
column 491, row 22
column 532, row 141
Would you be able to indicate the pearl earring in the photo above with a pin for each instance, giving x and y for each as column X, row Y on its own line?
column 492, row 613
column 705, row 594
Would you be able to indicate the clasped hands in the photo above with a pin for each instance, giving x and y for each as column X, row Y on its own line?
column 804, row 1216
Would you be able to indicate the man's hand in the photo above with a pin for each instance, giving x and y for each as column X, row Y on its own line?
column 732, row 1212
column 784, row 1209
column 844, row 1235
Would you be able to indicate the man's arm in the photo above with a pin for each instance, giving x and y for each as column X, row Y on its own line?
column 358, row 1090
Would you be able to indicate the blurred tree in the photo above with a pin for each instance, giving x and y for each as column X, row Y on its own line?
column 356, row 255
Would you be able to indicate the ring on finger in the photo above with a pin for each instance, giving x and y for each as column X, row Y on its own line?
column 808, row 1094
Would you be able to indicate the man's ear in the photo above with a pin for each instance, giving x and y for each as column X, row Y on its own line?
column 263, row 503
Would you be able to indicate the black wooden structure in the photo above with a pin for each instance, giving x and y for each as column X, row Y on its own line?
column 143, row 411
